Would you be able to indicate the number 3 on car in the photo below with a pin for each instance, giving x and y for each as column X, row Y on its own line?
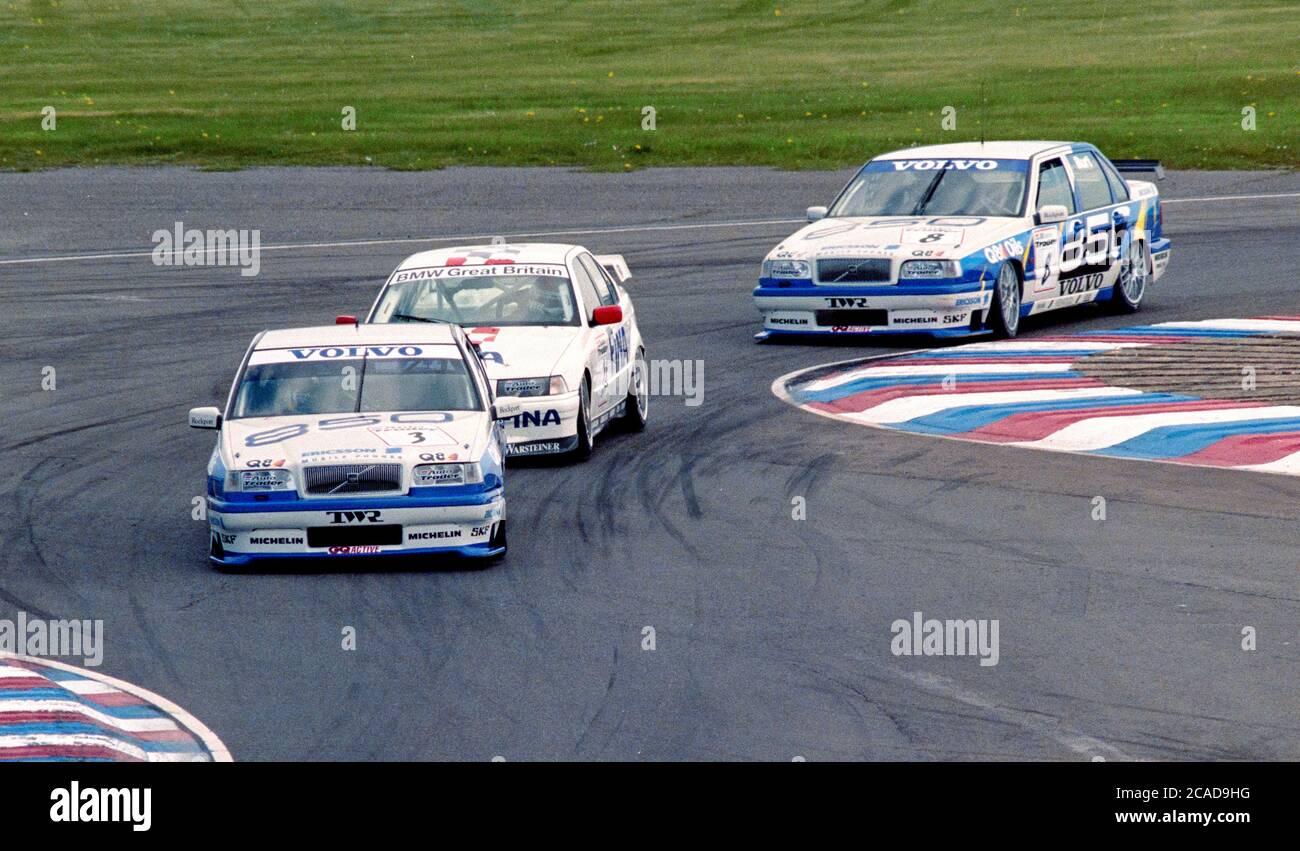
column 357, row 440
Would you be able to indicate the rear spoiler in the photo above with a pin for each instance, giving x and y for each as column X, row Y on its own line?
column 615, row 265
column 1130, row 166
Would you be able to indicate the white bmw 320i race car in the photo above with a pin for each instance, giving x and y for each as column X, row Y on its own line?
column 553, row 324
column 962, row 239
column 357, row 440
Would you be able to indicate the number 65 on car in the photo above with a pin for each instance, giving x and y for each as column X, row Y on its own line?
column 953, row 240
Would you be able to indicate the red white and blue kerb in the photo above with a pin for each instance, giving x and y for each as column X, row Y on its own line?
column 55, row 712
column 1030, row 393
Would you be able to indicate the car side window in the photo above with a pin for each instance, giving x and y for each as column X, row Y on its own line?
column 1118, row 187
column 586, row 289
column 604, row 286
column 1054, row 186
column 1090, row 180
column 483, row 376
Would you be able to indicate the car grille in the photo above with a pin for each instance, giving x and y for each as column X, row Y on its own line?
column 352, row 478
column 852, row 317
column 853, row 270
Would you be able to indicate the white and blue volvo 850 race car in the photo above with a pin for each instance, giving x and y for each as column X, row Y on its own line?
column 964, row 239
column 357, row 440
column 554, row 326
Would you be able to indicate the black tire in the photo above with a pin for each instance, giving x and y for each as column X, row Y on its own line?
column 498, row 539
column 1003, row 318
column 582, row 451
column 638, row 395
column 1126, row 297
column 215, row 551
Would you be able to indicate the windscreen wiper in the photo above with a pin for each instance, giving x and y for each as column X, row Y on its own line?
column 412, row 318
column 929, row 192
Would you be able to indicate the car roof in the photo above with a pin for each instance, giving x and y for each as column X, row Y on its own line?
column 360, row 335
column 519, row 252
column 976, row 150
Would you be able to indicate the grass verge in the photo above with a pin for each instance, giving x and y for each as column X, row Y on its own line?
column 818, row 84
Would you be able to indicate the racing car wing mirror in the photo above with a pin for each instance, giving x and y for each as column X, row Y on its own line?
column 345, row 319
column 1052, row 213
column 507, row 407
column 609, row 315
column 205, row 418
column 816, row 213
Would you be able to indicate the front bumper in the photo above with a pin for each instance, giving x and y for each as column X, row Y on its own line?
column 243, row 532
column 549, row 427
column 942, row 310
column 1161, row 251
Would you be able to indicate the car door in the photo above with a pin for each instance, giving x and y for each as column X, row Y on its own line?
column 1053, row 187
column 595, row 341
column 617, row 336
column 1102, row 225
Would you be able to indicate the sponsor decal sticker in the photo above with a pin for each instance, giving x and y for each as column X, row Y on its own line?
column 355, row 516
column 444, row 534
column 531, row 419
column 532, row 448
column 554, row 270
column 944, row 165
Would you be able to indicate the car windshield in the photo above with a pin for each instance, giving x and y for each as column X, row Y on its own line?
column 347, row 385
column 480, row 295
column 922, row 187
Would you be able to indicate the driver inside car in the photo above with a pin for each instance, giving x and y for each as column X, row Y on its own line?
column 541, row 302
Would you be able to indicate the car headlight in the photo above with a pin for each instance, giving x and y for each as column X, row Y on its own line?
column 928, row 269
column 786, row 269
column 552, row 385
column 432, row 475
column 264, row 480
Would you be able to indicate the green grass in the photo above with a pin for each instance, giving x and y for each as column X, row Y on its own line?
column 816, row 84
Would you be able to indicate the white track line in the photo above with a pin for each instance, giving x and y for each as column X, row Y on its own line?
column 468, row 237
column 1291, row 325
column 1230, row 198
column 465, row 237
column 945, row 366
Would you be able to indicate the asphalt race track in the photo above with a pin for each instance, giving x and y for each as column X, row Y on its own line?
column 1120, row 638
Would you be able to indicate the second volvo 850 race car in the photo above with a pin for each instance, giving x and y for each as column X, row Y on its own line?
column 966, row 239
column 553, row 324
column 357, row 440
